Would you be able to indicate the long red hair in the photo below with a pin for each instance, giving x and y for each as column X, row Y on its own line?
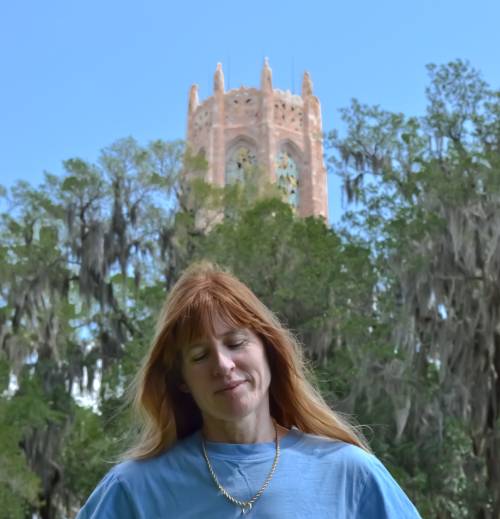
column 204, row 292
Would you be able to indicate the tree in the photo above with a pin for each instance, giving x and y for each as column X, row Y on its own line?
column 298, row 267
column 429, row 201
column 74, row 253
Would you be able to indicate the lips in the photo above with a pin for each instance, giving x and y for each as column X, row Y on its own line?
column 230, row 385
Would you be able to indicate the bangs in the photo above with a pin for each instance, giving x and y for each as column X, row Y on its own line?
column 198, row 319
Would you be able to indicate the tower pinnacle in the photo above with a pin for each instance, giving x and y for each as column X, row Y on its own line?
column 307, row 86
column 219, row 79
column 266, row 78
column 193, row 98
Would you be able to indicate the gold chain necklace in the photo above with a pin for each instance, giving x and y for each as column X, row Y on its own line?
column 245, row 506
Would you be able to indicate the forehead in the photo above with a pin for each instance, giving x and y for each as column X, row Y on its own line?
column 204, row 321
column 222, row 328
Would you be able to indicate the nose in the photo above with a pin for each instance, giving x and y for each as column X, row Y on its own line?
column 223, row 363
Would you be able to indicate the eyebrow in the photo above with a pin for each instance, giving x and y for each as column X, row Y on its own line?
column 201, row 343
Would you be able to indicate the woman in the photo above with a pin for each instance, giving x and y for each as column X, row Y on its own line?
column 231, row 425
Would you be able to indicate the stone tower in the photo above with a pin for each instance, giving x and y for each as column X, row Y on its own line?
column 274, row 129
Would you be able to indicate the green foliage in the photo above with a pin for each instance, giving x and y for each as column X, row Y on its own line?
column 83, row 259
column 89, row 451
column 19, row 486
column 298, row 267
column 428, row 202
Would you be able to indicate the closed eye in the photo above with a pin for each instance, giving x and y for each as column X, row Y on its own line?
column 236, row 344
column 199, row 356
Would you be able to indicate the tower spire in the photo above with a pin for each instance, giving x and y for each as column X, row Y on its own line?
column 219, row 79
column 266, row 78
column 307, row 86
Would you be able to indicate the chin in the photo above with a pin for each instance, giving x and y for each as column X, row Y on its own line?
column 236, row 413
column 239, row 412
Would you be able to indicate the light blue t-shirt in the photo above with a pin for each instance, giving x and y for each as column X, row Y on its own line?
column 315, row 478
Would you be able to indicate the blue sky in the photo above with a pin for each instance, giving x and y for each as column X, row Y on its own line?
column 77, row 75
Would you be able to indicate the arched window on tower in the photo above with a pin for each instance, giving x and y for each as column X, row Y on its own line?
column 240, row 160
column 287, row 175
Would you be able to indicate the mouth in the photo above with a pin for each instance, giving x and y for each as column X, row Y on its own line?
column 231, row 386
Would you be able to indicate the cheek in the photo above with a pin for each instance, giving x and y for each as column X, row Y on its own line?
column 264, row 371
column 268, row 377
column 268, row 370
column 186, row 379
column 194, row 379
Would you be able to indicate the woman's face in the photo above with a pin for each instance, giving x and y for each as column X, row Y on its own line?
column 228, row 375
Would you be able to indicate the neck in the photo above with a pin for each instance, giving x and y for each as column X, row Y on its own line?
column 246, row 430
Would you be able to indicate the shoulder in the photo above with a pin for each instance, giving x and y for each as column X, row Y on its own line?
column 130, row 472
column 376, row 492
column 333, row 450
column 334, row 457
column 120, row 493
column 110, row 499
column 381, row 495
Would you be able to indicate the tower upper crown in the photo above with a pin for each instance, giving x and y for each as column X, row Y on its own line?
column 274, row 129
